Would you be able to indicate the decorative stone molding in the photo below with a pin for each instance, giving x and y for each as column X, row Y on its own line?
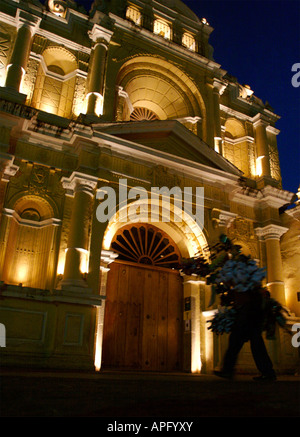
column 223, row 218
column 79, row 182
column 271, row 232
column 220, row 86
column 259, row 119
column 108, row 256
column 226, row 218
column 7, row 168
column 125, row 96
column 276, row 198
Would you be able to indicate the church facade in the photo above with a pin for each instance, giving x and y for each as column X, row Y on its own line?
column 113, row 102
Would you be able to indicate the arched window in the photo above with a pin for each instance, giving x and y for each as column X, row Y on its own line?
column 143, row 114
column 55, row 83
column 162, row 28
column 238, row 147
column 146, row 244
column 134, row 15
column 189, row 41
column 30, row 257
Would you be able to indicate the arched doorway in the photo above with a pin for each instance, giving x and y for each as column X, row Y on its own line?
column 143, row 310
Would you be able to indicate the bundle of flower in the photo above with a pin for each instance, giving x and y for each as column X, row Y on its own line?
column 223, row 320
column 233, row 275
column 241, row 275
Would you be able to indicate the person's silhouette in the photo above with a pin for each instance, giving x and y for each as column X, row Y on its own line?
column 248, row 326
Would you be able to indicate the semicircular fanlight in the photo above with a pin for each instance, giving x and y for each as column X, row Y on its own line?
column 142, row 114
column 146, row 244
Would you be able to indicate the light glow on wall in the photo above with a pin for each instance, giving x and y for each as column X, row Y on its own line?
column 259, row 165
column 22, row 79
column 99, row 102
column 61, row 263
column 22, row 274
column 84, row 260
column 99, row 338
column 196, row 355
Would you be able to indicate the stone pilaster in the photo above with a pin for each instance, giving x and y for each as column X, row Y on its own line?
column 107, row 257
column 192, row 320
column 262, row 147
column 218, row 89
column 271, row 235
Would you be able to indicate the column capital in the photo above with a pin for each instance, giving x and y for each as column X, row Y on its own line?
column 79, row 182
column 24, row 18
column 99, row 34
column 260, row 120
column 271, row 232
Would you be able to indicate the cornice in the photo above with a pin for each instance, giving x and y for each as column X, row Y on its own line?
column 32, row 223
column 276, row 198
column 167, row 45
column 294, row 212
column 257, row 119
column 35, row 23
column 267, row 197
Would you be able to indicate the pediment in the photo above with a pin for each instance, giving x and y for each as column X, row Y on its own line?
column 170, row 137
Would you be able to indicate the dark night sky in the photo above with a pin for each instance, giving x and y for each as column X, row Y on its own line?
column 258, row 42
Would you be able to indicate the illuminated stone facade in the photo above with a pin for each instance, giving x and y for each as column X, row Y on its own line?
column 129, row 91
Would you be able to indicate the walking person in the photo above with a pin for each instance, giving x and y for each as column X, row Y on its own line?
column 248, row 326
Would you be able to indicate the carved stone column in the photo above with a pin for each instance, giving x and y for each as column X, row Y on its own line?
column 271, row 235
column 18, row 63
column 101, row 38
column 82, row 187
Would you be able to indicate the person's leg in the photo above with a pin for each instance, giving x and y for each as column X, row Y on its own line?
column 236, row 342
column 261, row 356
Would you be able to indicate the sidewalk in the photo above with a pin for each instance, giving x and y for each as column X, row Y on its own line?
column 123, row 394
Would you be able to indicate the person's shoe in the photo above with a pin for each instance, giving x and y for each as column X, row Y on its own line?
column 222, row 374
column 265, row 378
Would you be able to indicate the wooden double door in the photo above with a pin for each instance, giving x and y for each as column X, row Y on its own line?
column 143, row 319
